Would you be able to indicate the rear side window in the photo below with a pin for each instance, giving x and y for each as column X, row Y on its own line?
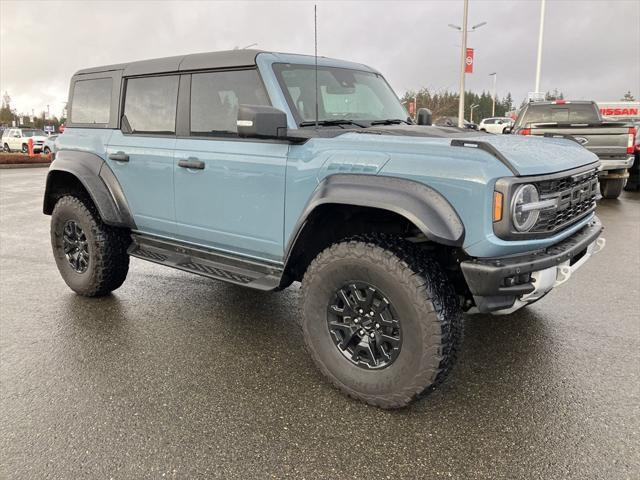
column 150, row 104
column 489, row 121
column 215, row 98
column 91, row 101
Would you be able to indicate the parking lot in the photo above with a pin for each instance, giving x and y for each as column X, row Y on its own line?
column 177, row 376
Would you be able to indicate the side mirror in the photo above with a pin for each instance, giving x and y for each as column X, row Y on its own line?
column 261, row 122
column 507, row 130
column 424, row 116
column 17, row 135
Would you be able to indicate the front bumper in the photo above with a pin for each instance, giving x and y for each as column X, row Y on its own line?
column 508, row 283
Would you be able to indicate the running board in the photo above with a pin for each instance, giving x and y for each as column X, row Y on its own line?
column 206, row 262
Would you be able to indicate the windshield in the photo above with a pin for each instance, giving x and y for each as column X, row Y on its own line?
column 33, row 133
column 562, row 113
column 343, row 94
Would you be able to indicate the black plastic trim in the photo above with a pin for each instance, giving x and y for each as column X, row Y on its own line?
column 98, row 180
column 485, row 276
column 487, row 147
column 426, row 208
column 207, row 262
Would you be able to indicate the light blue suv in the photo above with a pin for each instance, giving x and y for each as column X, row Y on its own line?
column 263, row 169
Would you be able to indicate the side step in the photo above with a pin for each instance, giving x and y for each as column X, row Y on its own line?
column 206, row 262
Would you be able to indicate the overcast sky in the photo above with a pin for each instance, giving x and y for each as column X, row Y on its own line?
column 591, row 47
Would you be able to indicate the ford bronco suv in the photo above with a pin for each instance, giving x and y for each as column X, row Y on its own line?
column 262, row 169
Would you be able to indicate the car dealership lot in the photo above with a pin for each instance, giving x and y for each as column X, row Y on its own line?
column 180, row 376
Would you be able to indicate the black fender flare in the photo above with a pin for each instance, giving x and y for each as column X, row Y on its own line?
column 97, row 179
column 423, row 206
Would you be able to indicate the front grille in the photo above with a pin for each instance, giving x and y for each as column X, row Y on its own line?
column 576, row 194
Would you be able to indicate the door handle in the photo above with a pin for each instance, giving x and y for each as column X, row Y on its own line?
column 191, row 162
column 119, row 157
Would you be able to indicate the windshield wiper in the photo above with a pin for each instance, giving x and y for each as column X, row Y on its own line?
column 390, row 121
column 338, row 122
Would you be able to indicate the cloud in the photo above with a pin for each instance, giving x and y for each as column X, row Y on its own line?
column 590, row 47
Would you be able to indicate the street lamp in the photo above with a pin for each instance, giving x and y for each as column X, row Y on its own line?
column 472, row 108
column 540, row 34
column 463, row 56
column 493, row 109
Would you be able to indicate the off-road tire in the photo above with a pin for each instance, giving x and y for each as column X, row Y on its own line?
column 107, row 246
column 428, row 309
column 612, row 188
column 6, row 148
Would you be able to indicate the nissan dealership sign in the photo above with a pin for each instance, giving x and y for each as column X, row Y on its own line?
column 619, row 110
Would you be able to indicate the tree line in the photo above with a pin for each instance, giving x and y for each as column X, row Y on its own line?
column 8, row 116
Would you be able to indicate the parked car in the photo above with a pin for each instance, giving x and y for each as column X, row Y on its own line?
column 48, row 146
column 218, row 164
column 496, row 125
column 18, row 139
column 613, row 142
column 453, row 122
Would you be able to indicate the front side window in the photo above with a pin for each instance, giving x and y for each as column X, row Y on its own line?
column 150, row 104
column 91, row 102
column 216, row 96
column 343, row 94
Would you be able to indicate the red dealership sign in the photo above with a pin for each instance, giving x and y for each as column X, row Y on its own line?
column 468, row 61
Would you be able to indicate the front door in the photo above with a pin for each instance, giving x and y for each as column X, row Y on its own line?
column 142, row 158
column 229, row 192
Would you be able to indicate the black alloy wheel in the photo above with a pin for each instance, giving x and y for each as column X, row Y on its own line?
column 76, row 247
column 364, row 326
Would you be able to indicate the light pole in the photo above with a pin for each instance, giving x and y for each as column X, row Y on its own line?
column 540, row 34
column 463, row 56
column 493, row 109
column 472, row 108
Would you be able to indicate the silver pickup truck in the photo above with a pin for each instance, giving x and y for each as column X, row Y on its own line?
column 613, row 142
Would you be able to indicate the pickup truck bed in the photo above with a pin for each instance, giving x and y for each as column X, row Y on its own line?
column 581, row 121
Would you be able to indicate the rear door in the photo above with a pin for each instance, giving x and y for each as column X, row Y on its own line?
column 141, row 157
column 229, row 191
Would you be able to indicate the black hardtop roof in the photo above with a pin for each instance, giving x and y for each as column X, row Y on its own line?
column 193, row 61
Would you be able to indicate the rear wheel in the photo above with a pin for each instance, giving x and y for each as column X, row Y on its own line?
column 25, row 148
column 612, row 188
column 47, row 150
column 91, row 256
column 380, row 320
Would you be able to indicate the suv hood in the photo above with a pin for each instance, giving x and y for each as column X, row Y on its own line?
column 527, row 155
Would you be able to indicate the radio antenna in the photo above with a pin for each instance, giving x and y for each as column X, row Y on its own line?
column 315, row 42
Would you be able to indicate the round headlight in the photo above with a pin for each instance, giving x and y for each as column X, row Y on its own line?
column 524, row 218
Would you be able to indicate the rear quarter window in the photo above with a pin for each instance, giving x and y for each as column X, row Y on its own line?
column 91, row 102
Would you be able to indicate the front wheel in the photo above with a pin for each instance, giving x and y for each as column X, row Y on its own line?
column 6, row 148
column 612, row 188
column 380, row 320
column 91, row 256
column 47, row 150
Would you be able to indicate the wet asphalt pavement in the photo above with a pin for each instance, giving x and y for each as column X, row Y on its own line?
column 177, row 376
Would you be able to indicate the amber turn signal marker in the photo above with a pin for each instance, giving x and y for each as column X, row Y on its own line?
column 497, row 206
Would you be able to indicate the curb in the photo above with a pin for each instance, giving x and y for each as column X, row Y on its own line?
column 24, row 165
